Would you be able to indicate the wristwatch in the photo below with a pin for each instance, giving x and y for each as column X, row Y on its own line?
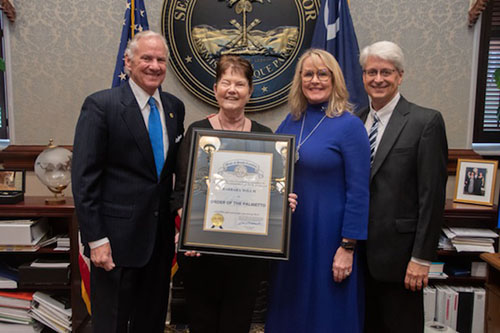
column 350, row 246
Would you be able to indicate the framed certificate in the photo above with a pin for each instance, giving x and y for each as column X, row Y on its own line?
column 236, row 199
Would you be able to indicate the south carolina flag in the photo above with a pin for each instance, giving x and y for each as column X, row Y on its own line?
column 334, row 32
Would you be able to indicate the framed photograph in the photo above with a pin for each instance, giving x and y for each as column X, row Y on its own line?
column 12, row 185
column 236, row 199
column 475, row 181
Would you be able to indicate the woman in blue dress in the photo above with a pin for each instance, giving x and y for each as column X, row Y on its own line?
column 320, row 289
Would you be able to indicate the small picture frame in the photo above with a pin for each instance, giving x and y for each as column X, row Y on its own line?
column 475, row 181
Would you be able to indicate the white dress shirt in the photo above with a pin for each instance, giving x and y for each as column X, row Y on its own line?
column 384, row 114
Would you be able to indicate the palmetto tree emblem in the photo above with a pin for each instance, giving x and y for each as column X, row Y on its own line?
column 242, row 8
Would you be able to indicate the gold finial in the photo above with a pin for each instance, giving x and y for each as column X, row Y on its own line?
column 51, row 143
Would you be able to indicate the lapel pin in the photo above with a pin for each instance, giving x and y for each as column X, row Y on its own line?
column 171, row 115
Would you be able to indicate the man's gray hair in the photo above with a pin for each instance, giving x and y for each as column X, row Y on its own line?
column 384, row 50
column 132, row 44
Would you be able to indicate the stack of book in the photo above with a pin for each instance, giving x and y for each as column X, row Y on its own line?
column 471, row 239
column 62, row 243
column 436, row 271
column 14, row 313
column 52, row 310
column 460, row 308
column 22, row 235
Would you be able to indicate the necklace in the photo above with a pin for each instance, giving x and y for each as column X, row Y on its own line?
column 222, row 128
column 301, row 142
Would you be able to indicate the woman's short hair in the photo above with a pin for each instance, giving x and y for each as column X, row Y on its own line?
column 133, row 43
column 236, row 63
column 384, row 50
column 339, row 99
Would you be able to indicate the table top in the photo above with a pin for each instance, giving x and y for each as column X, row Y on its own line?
column 492, row 258
column 35, row 206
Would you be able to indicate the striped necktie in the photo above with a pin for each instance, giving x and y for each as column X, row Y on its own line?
column 372, row 136
column 156, row 135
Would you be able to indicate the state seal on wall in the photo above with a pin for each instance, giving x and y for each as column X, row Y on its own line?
column 271, row 34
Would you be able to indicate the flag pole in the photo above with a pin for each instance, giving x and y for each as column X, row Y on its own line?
column 132, row 18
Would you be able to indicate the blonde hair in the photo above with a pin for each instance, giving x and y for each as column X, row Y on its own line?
column 339, row 99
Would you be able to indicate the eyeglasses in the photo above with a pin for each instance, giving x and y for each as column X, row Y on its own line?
column 385, row 72
column 323, row 75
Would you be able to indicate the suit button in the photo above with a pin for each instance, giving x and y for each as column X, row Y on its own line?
column 155, row 213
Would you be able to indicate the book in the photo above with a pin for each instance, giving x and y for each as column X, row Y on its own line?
column 465, row 308
column 9, row 272
column 60, row 329
column 479, row 310
column 19, row 248
column 50, row 263
column 44, row 241
column 49, row 316
column 473, row 232
column 52, row 310
column 442, row 305
column 470, row 239
column 453, row 307
column 446, row 306
column 438, row 276
column 429, row 303
column 436, row 267
column 34, row 327
column 44, row 272
column 8, row 277
column 63, row 241
column 16, row 299
column 478, row 269
column 14, row 315
column 52, row 301
column 457, row 269
column 6, row 283
column 23, row 232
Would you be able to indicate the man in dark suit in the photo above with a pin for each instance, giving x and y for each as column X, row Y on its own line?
column 478, row 182
column 124, row 152
column 407, row 194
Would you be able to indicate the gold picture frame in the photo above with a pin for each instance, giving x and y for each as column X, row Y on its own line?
column 475, row 181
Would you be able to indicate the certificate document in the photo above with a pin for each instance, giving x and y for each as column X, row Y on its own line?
column 239, row 189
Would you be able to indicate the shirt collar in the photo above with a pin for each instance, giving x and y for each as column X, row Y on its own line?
column 384, row 114
column 141, row 96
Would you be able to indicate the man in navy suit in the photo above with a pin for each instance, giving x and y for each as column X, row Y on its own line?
column 407, row 193
column 122, row 180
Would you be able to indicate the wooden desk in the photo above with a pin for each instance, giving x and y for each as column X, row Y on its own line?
column 492, row 324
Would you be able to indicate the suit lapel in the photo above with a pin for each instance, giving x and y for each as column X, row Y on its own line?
column 135, row 123
column 396, row 124
column 171, row 124
column 363, row 114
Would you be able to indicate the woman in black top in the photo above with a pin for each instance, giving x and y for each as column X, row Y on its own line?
column 220, row 291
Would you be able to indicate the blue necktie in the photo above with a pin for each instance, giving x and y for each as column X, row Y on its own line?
column 156, row 135
column 372, row 136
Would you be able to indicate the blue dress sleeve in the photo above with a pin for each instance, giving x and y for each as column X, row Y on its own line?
column 280, row 127
column 356, row 156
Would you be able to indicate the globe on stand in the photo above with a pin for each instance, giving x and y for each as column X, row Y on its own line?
column 53, row 168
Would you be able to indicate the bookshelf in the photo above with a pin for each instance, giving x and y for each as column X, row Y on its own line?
column 470, row 216
column 62, row 219
column 493, row 291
